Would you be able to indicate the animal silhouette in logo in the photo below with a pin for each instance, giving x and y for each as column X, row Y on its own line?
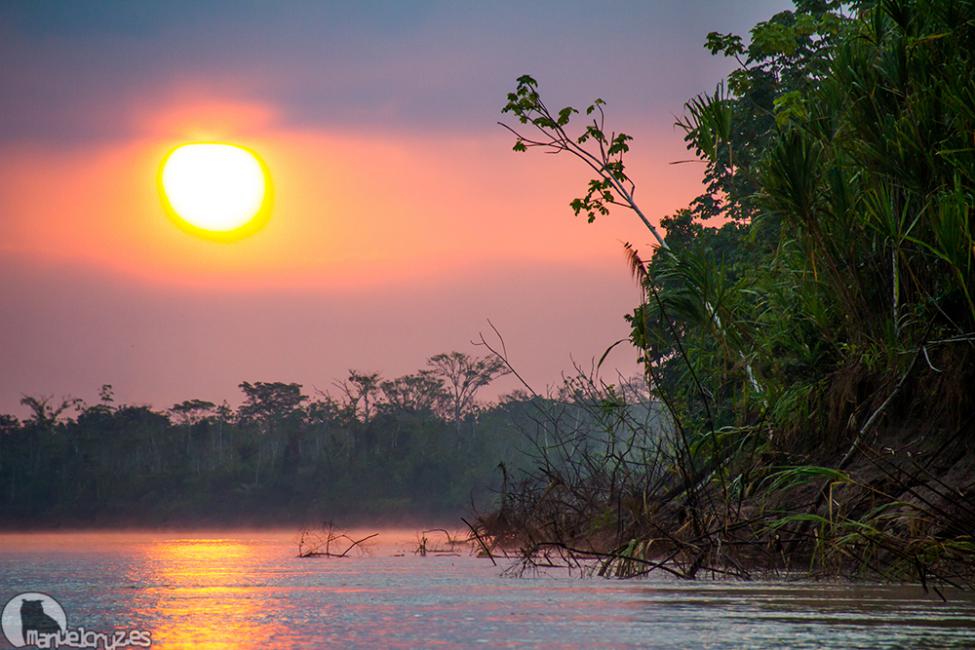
column 34, row 618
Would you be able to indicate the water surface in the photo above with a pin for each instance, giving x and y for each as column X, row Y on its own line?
column 248, row 590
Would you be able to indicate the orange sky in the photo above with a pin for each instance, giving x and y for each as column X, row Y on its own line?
column 350, row 209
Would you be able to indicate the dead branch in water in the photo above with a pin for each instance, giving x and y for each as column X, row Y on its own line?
column 452, row 540
column 480, row 541
column 425, row 545
column 319, row 543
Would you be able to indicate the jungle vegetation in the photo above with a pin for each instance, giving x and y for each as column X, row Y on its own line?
column 808, row 321
column 418, row 446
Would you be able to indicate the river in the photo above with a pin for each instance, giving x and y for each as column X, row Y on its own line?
column 248, row 590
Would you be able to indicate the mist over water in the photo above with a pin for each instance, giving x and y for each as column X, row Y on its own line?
column 247, row 589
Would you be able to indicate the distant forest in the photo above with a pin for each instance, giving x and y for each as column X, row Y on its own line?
column 420, row 445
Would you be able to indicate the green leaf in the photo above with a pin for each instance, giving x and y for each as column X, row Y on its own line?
column 792, row 476
column 798, row 518
column 565, row 114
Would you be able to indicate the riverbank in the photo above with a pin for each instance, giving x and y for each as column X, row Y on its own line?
column 899, row 510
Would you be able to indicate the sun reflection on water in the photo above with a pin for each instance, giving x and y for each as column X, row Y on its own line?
column 208, row 593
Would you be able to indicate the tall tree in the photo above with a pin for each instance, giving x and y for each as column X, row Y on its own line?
column 45, row 410
column 270, row 402
column 421, row 392
column 463, row 376
column 361, row 391
column 191, row 411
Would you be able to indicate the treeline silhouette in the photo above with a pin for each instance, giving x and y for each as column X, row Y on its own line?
column 413, row 446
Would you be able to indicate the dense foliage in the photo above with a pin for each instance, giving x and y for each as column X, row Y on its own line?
column 415, row 446
column 808, row 320
column 843, row 163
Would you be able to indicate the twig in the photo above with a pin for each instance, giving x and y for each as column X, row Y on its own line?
column 480, row 541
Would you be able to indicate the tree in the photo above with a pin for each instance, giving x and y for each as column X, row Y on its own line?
column 463, row 376
column 188, row 414
column 604, row 154
column 361, row 391
column 270, row 402
column 191, row 411
column 106, row 394
column 277, row 408
column 421, row 392
column 45, row 412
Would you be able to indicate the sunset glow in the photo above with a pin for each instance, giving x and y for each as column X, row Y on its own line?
column 380, row 185
column 215, row 189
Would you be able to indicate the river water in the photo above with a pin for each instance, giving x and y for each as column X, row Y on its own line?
column 248, row 590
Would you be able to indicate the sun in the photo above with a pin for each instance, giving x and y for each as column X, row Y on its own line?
column 217, row 190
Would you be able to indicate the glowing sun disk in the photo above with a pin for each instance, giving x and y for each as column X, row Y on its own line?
column 216, row 188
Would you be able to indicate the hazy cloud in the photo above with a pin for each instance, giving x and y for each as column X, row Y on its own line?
column 72, row 70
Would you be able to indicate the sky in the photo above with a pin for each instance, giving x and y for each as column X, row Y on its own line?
column 401, row 220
